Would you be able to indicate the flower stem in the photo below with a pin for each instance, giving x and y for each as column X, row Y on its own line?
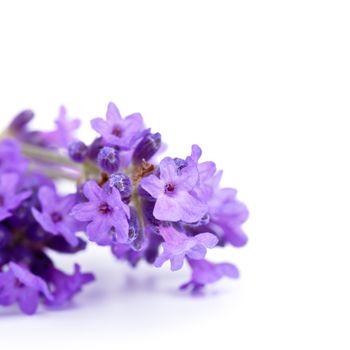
column 47, row 155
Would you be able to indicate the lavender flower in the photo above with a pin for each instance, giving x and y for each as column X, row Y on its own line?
column 227, row 214
column 177, row 246
column 63, row 135
column 144, row 211
column 66, row 286
column 21, row 286
column 106, row 213
column 117, row 131
column 54, row 216
column 205, row 272
column 173, row 190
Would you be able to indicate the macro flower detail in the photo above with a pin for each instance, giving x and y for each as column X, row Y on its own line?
column 178, row 245
column 117, row 131
column 54, row 216
column 106, row 214
column 9, row 197
column 21, row 286
column 173, row 192
column 122, row 197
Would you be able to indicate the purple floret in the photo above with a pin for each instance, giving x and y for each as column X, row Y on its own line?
column 205, row 272
column 54, row 215
column 178, row 245
column 117, row 131
column 105, row 212
column 63, row 135
column 21, row 286
column 173, row 191
column 66, row 286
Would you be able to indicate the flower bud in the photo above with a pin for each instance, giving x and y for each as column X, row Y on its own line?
column 108, row 159
column 147, row 147
column 122, row 183
column 77, row 151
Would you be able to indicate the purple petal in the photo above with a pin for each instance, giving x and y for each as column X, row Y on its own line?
column 93, row 191
column 9, row 182
column 66, row 203
column 113, row 115
column 99, row 230
column 121, row 227
column 153, row 185
column 167, row 209
column 28, row 300
column 84, row 211
column 100, row 126
column 14, row 201
column 191, row 208
column 228, row 270
column 4, row 214
column 30, row 280
column 207, row 239
column 168, row 170
column 45, row 221
column 189, row 176
column 47, row 197
column 68, row 234
column 176, row 262
column 196, row 153
column 197, row 252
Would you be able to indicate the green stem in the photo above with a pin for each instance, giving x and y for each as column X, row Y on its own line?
column 46, row 155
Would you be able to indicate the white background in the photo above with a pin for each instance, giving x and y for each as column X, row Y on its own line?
column 263, row 87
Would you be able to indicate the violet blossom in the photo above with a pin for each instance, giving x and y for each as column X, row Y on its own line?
column 173, row 210
column 105, row 213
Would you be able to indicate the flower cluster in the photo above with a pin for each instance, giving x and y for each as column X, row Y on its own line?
column 172, row 211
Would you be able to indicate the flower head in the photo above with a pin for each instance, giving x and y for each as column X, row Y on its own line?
column 173, row 191
column 178, row 245
column 117, row 131
column 106, row 214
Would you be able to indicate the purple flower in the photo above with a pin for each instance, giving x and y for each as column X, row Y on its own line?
column 63, row 135
column 117, row 131
column 66, row 286
column 227, row 214
column 173, row 191
column 11, row 158
column 106, row 213
column 54, row 216
column 205, row 272
column 206, row 171
column 21, row 286
column 9, row 198
column 177, row 246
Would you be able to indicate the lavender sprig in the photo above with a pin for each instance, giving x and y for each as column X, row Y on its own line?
column 174, row 210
